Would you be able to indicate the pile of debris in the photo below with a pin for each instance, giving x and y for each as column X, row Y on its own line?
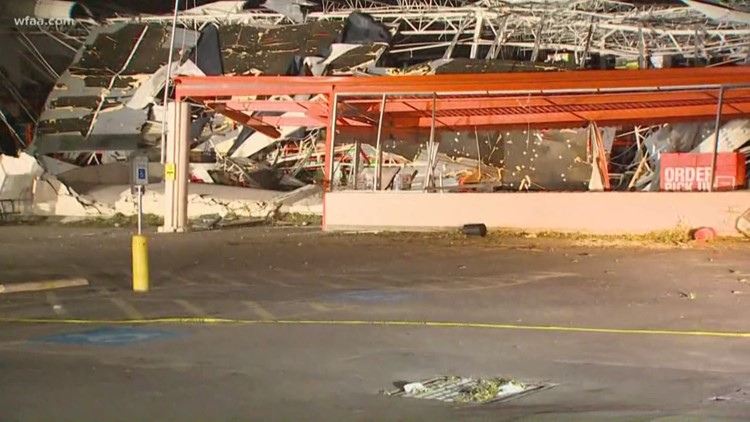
column 55, row 188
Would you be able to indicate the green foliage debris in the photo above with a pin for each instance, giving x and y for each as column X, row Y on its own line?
column 488, row 389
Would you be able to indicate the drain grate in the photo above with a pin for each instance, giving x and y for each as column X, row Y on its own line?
column 467, row 390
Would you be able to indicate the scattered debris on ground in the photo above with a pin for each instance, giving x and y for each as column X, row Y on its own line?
column 465, row 389
column 688, row 295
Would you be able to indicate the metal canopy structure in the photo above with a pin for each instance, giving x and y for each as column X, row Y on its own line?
column 540, row 100
column 544, row 100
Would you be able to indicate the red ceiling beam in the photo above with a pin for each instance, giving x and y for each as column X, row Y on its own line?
column 537, row 116
column 217, row 86
column 550, row 99
column 401, row 105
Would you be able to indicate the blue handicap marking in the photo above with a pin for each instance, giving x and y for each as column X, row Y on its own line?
column 109, row 336
column 369, row 296
column 141, row 173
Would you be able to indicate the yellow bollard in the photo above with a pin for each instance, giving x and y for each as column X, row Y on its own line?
column 140, row 264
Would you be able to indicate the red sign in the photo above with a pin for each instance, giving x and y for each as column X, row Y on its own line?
column 692, row 172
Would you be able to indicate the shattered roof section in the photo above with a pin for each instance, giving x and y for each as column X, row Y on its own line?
column 248, row 50
column 86, row 110
column 463, row 65
column 357, row 58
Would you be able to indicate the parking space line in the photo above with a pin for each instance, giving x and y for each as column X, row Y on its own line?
column 126, row 308
column 182, row 279
column 212, row 321
column 193, row 309
column 278, row 283
column 284, row 273
column 320, row 307
column 103, row 291
column 214, row 278
column 259, row 310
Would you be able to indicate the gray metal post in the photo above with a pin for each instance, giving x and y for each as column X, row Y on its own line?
column 379, row 147
column 356, row 163
column 140, row 210
column 332, row 165
column 431, row 145
column 717, row 128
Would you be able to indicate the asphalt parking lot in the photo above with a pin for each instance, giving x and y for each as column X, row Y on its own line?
column 290, row 324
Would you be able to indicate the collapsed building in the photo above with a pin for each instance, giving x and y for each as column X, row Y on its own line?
column 110, row 99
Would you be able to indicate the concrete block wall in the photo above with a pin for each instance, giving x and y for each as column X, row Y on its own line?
column 585, row 212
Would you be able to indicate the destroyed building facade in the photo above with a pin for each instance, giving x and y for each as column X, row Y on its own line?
column 109, row 98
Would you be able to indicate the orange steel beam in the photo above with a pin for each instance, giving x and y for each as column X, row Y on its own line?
column 539, row 111
column 543, row 120
column 246, row 120
column 410, row 104
column 587, row 103
column 597, row 80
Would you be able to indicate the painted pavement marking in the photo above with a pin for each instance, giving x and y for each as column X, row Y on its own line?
column 108, row 336
column 126, row 308
column 259, row 310
column 191, row 308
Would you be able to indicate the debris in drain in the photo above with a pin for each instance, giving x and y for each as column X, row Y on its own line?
column 488, row 390
column 466, row 390
column 414, row 387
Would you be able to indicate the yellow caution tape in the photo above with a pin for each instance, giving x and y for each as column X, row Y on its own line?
column 443, row 324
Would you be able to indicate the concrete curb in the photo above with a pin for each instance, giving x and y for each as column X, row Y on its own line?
column 36, row 286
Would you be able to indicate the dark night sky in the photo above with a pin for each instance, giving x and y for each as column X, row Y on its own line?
column 142, row 6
